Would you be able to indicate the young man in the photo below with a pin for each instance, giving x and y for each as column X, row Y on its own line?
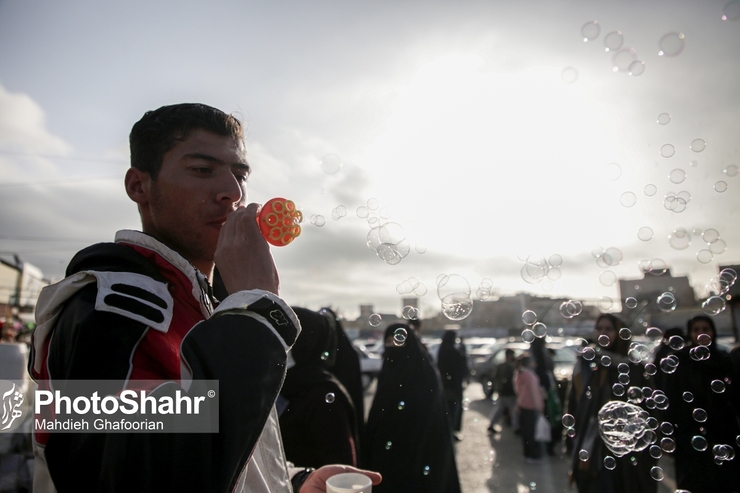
column 142, row 308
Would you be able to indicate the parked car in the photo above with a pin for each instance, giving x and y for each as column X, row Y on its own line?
column 564, row 360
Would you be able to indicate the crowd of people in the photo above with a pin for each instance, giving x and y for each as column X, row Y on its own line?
column 195, row 296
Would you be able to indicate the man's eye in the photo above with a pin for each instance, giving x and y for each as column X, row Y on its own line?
column 241, row 178
column 202, row 169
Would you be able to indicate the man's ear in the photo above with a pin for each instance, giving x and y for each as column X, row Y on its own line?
column 138, row 185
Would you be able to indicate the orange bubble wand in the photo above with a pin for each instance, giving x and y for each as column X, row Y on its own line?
column 279, row 221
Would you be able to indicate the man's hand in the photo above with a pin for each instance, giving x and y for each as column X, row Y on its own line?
column 316, row 481
column 243, row 256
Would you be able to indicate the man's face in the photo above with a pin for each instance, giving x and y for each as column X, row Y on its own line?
column 606, row 327
column 202, row 180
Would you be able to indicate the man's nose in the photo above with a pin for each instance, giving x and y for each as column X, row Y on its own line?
column 230, row 189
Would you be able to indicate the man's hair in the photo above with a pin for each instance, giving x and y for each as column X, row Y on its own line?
column 159, row 130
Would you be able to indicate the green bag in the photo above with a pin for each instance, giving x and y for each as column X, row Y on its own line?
column 554, row 408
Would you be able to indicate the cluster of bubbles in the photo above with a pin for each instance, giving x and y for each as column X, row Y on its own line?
column 571, row 308
column 410, row 312
column 656, row 266
column 412, row 286
column 533, row 329
column 317, row 220
column 677, row 202
column 624, row 428
column 536, row 268
column 399, row 336
column 714, row 245
column 455, row 295
column 386, row 239
column 624, row 59
column 718, row 288
column 484, row 289
column 338, row 212
column 666, row 302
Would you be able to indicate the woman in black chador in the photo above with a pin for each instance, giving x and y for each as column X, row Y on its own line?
column 453, row 369
column 704, row 406
column 408, row 437
column 317, row 418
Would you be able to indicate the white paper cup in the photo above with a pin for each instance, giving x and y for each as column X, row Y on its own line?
column 349, row 482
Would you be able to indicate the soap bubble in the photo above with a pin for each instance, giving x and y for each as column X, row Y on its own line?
column 571, row 308
column 628, row 199
column 714, row 305
column 375, row 319
column 410, row 312
column 399, row 336
column 623, row 427
column 539, row 329
column 590, row 30
column 583, row 455
column 569, row 74
column 688, row 397
column 637, row 68
column 698, row 145
column 671, row 44
column 669, row 364
column 610, row 462
column 710, row 235
column 608, row 278
column 529, row 317
column 676, row 343
column 338, row 212
column 667, row 150
column 699, row 353
column 731, row 170
column 623, row 368
column 720, row 186
column 535, row 269
column 664, row 118
column 568, row 420
column 656, row 452
column 699, row 415
column 528, row 335
column 704, row 339
column 618, row 389
column 457, row 307
column 666, row 302
column 717, row 386
column 625, row 334
column 650, row 190
column 656, row 473
column 329, row 398
column 638, row 352
column 623, row 59
column 680, row 239
column 677, row 176
column 704, row 256
column 588, row 353
column 613, row 41
column 604, row 340
column 630, row 302
column 605, row 303
column 331, row 164
column 645, row 233
column 388, row 241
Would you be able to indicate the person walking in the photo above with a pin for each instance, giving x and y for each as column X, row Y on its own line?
column 530, row 399
column 503, row 385
column 452, row 363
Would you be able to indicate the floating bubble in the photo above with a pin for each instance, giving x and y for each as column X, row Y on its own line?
column 604, row 340
column 372, row 204
column 388, row 445
column 608, row 278
column 704, row 256
column 654, row 334
column 625, row 334
column 671, row 44
column 606, row 360
column 554, row 273
column 677, row 176
column 590, row 30
column 613, row 171
column 676, row 343
column 529, row 317
column 571, row 308
column 720, row 186
column 664, row 118
column 680, row 239
column 667, row 150
column 528, row 335
column 338, row 212
column 618, row 389
column 637, row 68
column 698, row 145
column 375, row 319
column 699, row 415
column 605, row 303
column 456, row 306
column 638, row 352
column 589, row 353
column 688, row 397
column 331, row 164
column 668, row 445
column 731, row 170
column 645, row 233
column 610, row 462
column 623, row 427
column 610, row 258
column 569, row 74
column 717, row 386
column 630, row 303
column 539, row 329
column 535, row 269
column 623, row 59
column 329, row 398
column 699, row 353
column 583, row 455
column 650, row 190
column 624, row 378
column 628, row 199
column 666, row 302
column 704, row 339
column 669, row 364
column 657, row 473
column 570, row 432
column 674, row 203
column 410, row 312
column 399, row 336
column 401, row 405
column 613, row 41
column 666, row 428
column 317, row 220
column 718, row 247
column 568, row 420
column 710, row 235
column 657, row 267
column 426, row 470
column 651, row 369
column 731, row 12
column 656, row 452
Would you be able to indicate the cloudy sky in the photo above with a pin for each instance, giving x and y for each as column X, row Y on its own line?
column 488, row 131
